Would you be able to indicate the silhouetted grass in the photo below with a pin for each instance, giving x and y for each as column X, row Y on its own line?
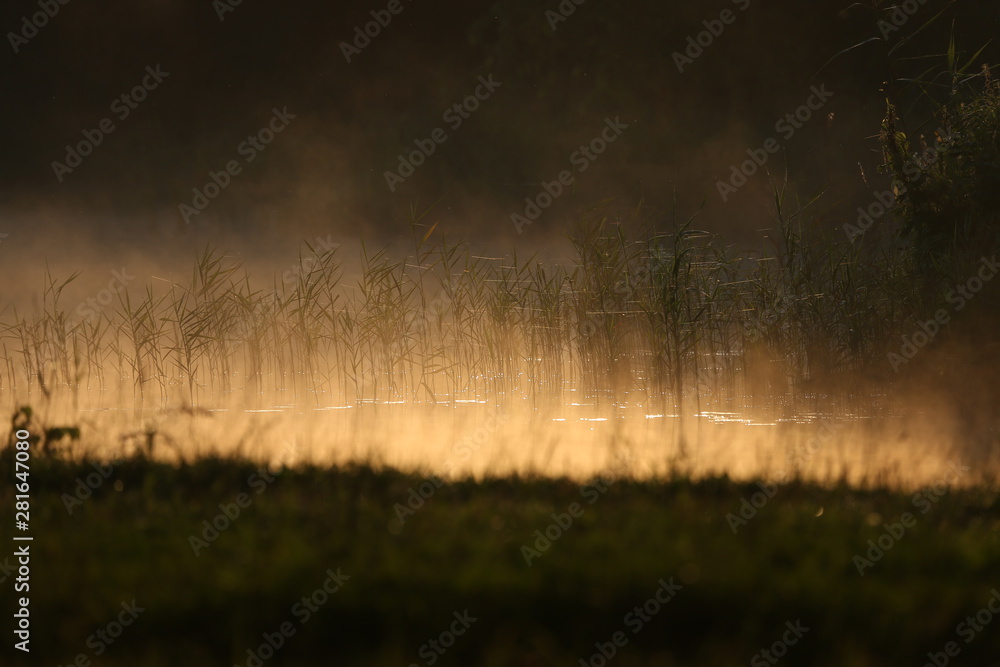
column 462, row 550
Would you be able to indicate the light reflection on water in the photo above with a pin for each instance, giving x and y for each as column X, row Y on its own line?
column 576, row 439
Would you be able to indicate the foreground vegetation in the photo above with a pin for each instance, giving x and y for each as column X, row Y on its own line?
column 136, row 536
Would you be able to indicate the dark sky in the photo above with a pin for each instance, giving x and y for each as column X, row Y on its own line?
column 324, row 172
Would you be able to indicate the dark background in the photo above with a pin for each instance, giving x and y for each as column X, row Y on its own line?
column 324, row 174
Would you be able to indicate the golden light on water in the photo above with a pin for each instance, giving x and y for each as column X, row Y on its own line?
column 474, row 437
column 491, row 370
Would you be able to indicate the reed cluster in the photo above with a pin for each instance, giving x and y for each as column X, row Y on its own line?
column 659, row 317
